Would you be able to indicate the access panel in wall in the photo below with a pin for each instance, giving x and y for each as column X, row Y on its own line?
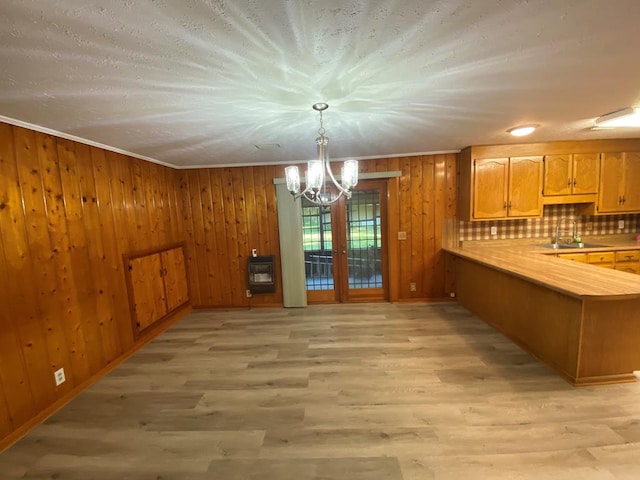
column 157, row 285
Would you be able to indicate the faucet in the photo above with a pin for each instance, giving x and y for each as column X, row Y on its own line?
column 556, row 239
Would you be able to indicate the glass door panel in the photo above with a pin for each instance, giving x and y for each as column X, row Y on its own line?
column 364, row 244
column 344, row 247
column 317, row 243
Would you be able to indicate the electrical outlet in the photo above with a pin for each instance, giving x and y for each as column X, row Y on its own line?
column 59, row 376
column 249, row 294
column 494, row 230
column 452, row 294
column 254, row 252
column 402, row 235
column 620, row 224
column 589, row 226
column 412, row 286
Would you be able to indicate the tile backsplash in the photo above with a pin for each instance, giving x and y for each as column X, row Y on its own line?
column 545, row 227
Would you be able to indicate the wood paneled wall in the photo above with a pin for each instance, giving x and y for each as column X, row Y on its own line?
column 229, row 211
column 426, row 197
column 68, row 212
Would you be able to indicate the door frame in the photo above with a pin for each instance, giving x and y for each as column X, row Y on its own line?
column 341, row 292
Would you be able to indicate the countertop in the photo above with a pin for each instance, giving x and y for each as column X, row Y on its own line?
column 526, row 259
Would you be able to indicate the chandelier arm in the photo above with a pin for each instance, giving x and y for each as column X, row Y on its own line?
column 302, row 193
column 315, row 201
column 333, row 179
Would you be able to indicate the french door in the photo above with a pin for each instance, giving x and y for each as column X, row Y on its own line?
column 345, row 247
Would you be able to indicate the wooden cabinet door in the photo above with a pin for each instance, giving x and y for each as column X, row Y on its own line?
column 490, row 188
column 558, row 175
column 525, row 187
column 611, row 182
column 175, row 278
column 628, row 267
column 585, row 173
column 148, row 290
column 631, row 182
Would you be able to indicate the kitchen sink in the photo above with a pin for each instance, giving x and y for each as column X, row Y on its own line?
column 562, row 246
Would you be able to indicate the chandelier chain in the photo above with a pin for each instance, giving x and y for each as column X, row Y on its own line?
column 321, row 130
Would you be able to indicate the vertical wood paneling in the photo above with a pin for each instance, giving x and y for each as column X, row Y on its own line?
column 41, row 252
column 116, row 323
column 260, row 184
column 20, row 287
column 238, row 205
column 68, row 213
column 250, row 207
column 5, row 417
column 272, row 215
column 198, row 207
column 91, row 217
column 417, row 223
column 222, row 295
column 187, row 222
column 67, row 312
column 232, row 220
column 211, row 246
column 430, row 223
column 80, row 259
column 16, row 356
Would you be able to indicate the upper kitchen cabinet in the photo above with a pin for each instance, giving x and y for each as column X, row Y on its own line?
column 503, row 182
column 619, row 189
column 570, row 178
column 500, row 188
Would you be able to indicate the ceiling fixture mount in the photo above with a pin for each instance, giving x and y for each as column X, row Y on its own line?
column 317, row 190
column 522, row 130
column 627, row 117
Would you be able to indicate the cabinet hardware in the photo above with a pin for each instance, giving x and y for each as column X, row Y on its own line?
column 504, row 206
column 569, row 182
column 575, row 182
column 509, row 204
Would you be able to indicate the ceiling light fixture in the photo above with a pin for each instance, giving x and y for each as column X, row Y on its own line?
column 627, row 117
column 522, row 130
column 317, row 189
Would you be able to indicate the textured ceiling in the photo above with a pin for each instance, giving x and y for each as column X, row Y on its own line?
column 200, row 83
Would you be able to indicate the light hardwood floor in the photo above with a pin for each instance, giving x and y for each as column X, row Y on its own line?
column 349, row 392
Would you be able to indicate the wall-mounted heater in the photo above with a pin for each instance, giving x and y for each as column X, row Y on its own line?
column 261, row 274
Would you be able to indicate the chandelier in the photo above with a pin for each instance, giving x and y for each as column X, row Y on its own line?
column 317, row 190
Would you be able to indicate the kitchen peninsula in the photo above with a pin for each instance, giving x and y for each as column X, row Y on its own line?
column 581, row 320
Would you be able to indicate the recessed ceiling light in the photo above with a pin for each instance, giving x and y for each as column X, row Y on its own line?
column 522, row 130
column 627, row 117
